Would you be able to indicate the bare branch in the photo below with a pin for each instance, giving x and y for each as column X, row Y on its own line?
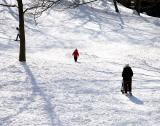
column 76, row 4
column 31, row 8
column 8, row 5
column 44, row 5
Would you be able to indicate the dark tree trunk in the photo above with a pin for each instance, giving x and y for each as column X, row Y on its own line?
column 22, row 51
column 138, row 6
column 115, row 5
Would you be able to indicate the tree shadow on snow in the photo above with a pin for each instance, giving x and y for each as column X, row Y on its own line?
column 14, row 15
column 49, row 107
column 135, row 100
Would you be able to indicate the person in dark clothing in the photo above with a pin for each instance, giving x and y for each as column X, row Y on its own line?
column 17, row 33
column 127, row 79
column 75, row 55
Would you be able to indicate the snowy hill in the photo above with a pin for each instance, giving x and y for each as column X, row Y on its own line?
column 51, row 90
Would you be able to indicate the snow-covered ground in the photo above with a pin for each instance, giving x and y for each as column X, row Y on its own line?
column 51, row 90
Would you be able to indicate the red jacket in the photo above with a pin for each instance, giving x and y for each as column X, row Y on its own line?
column 75, row 53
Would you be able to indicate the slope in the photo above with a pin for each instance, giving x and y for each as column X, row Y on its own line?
column 51, row 90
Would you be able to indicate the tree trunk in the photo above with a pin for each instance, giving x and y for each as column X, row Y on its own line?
column 22, row 51
column 138, row 5
column 115, row 5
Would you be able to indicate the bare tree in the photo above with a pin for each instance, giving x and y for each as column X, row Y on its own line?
column 138, row 6
column 19, row 5
column 38, row 7
column 115, row 5
column 42, row 5
column 22, row 53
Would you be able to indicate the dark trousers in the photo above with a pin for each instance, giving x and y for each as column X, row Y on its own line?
column 127, row 85
column 75, row 59
column 17, row 37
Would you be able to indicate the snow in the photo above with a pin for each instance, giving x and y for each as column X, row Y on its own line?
column 51, row 90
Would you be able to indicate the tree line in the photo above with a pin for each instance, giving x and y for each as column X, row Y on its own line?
column 148, row 6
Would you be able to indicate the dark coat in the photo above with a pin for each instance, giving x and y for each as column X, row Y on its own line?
column 75, row 53
column 127, row 73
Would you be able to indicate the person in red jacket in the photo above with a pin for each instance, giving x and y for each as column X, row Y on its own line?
column 75, row 55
